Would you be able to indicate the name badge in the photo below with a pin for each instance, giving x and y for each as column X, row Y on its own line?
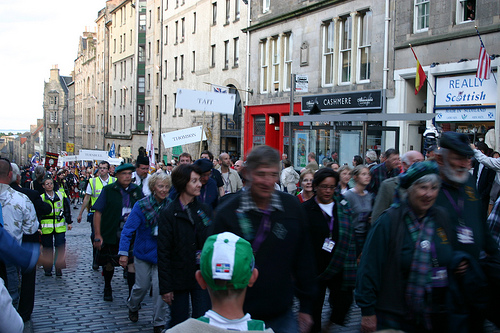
column 465, row 235
column 328, row 245
column 439, row 277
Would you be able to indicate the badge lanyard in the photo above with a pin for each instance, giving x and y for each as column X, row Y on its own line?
column 457, row 206
column 263, row 232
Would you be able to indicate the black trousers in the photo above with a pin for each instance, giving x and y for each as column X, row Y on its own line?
column 27, row 294
column 340, row 302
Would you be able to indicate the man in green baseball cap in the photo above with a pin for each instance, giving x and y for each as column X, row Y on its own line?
column 226, row 269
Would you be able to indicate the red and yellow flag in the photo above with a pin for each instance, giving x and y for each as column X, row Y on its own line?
column 420, row 76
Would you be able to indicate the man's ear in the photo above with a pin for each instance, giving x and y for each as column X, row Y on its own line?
column 253, row 278
column 439, row 160
column 200, row 280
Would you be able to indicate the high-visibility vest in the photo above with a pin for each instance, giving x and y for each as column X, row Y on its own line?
column 96, row 188
column 52, row 221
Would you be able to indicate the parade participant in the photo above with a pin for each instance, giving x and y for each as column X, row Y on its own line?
column 185, row 158
column 402, row 278
column 289, row 178
column 458, row 196
column 36, row 184
column 306, row 181
column 112, row 209
column 94, row 189
column 360, row 201
column 227, row 289
column 386, row 195
column 311, row 160
column 232, row 182
column 371, row 159
column 387, row 169
column 53, row 226
column 238, row 166
column 334, row 246
column 27, row 293
column 484, row 174
column 215, row 173
column 143, row 222
column 19, row 217
column 345, row 176
column 182, row 231
column 274, row 223
column 357, row 160
column 169, row 169
column 141, row 174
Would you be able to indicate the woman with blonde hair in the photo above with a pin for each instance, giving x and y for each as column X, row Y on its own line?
column 306, row 181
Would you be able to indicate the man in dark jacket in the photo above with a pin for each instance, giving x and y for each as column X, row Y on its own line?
column 273, row 222
column 112, row 209
column 484, row 177
column 27, row 293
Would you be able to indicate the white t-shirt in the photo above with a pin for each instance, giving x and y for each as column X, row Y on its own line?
column 327, row 208
column 217, row 320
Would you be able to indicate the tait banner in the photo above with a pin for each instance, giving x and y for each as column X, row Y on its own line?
column 205, row 101
column 465, row 90
column 183, row 137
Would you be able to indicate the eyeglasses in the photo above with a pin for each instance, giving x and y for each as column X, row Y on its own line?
column 325, row 187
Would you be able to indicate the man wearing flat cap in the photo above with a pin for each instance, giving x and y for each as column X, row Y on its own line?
column 458, row 195
column 112, row 209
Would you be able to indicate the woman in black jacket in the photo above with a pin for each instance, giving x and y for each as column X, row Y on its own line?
column 182, row 231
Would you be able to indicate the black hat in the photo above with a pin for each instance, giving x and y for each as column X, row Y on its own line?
column 144, row 160
column 458, row 142
column 204, row 164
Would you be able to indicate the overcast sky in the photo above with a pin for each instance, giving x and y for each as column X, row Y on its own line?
column 34, row 36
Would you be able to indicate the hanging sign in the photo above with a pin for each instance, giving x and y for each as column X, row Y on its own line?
column 205, row 101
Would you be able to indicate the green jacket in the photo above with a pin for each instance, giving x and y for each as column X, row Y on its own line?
column 110, row 205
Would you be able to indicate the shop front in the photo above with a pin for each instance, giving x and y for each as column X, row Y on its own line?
column 466, row 104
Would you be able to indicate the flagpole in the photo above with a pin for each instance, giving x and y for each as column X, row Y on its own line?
column 428, row 83
column 482, row 44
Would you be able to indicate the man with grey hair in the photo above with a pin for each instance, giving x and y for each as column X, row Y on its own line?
column 459, row 197
column 371, row 159
column 19, row 217
column 27, row 293
column 386, row 193
column 273, row 222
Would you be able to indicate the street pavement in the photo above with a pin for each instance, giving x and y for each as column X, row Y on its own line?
column 74, row 302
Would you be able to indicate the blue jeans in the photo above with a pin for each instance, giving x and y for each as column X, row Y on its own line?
column 179, row 310
column 286, row 323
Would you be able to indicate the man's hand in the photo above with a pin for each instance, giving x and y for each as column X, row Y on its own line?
column 473, row 146
column 462, row 267
column 79, row 218
column 98, row 243
column 305, row 322
column 123, row 261
column 368, row 324
column 168, row 298
column 70, row 227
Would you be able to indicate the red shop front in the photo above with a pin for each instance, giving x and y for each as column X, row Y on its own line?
column 264, row 127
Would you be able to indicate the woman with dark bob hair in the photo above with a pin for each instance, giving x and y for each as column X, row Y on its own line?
column 182, row 231
column 334, row 245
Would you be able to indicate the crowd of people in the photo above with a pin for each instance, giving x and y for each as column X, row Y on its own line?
column 233, row 244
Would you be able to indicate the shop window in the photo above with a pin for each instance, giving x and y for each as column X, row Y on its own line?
column 259, row 125
column 328, row 49
column 364, row 46
column 421, row 15
column 345, row 54
column 466, row 11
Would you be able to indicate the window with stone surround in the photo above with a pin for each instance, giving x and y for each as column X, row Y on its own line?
column 264, row 66
column 421, row 15
column 345, row 49
column 466, row 11
column 364, row 46
column 328, row 47
column 287, row 60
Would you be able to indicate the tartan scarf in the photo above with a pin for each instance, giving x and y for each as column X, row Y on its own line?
column 151, row 208
column 419, row 286
column 344, row 254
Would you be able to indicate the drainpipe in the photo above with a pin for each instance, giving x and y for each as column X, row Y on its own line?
column 386, row 46
column 160, row 157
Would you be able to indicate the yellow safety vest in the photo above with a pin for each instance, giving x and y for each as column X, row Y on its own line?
column 96, row 188
column 54, row 220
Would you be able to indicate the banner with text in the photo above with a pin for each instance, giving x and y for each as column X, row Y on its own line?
column 466, row 114
column 465, row 90
column 91, row 155
column 205, row 101
column 182, row 137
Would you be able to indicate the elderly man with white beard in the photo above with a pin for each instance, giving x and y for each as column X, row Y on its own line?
column 458, row 195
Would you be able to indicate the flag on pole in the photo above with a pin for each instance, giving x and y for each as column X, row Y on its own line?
column 420, row 76
column 112, row 153
column 484, row 62
column 220, row 89
column 150, row 149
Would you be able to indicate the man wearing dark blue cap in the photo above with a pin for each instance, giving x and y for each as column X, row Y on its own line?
column 458, row 195
column 112, row 209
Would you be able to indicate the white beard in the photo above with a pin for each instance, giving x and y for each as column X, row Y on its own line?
column 454, row 175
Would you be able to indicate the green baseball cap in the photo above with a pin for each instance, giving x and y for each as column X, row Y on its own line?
column 227, row 257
